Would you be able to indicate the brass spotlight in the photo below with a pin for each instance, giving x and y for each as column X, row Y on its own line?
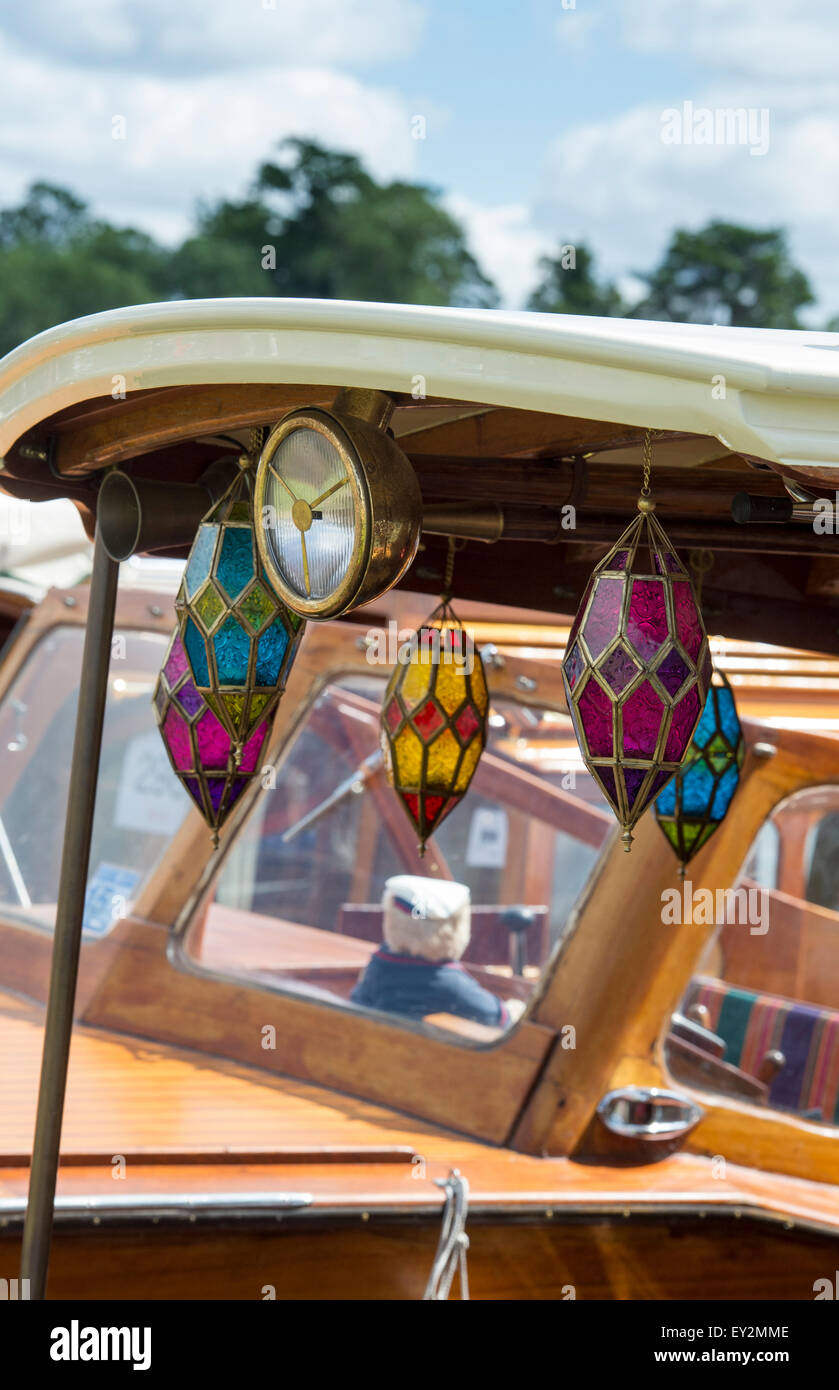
column 338, row 506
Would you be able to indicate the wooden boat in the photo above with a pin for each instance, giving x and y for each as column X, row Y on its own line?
column 234, row 1126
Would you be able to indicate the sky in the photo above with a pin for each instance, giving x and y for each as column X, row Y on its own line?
column 542, row 122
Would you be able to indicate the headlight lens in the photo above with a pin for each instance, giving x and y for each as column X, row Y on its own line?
column 310, row 524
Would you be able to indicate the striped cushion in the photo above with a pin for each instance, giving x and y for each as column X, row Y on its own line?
column 753, row 1024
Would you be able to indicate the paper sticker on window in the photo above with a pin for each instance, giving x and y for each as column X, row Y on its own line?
column 108, row 897
column 487, row 844
column 149, row 796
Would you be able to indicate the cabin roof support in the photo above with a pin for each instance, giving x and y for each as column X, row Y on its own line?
column 81, row 804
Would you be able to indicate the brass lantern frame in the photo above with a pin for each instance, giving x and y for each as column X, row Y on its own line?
column 718, row 762
column 223, row 518
column 644, row 535
column 387, row 510
column 475, row 700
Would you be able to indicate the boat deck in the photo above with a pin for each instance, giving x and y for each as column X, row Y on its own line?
column 189, row 1124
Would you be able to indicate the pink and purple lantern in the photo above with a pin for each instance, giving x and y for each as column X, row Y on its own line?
column 200, row 749
column 637, row 668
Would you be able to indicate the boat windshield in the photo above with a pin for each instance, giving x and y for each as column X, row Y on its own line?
column 139, row 803
column 299, row 898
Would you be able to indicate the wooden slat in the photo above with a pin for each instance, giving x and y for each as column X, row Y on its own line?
column 234, row 1155
column 600, row 487
column 509, row 431
column 140, row 424
column 103, row 432
column 127, row 1095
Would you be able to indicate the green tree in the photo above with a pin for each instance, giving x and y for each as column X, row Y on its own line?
column 568, row 285
column 314, row 224
column 318, row 225
column 727, row 274
column 57, row 263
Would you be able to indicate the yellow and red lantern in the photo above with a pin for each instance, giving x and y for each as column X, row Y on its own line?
column 433, row 721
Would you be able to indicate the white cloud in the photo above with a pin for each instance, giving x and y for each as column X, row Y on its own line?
column 506, row 244
column 186, row 138
column 616, row 185
column 208, row 87
column 763, row 39
column 191, row 36
column 614, row 182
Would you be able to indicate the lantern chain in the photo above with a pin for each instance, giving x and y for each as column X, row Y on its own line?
column 448, row 573
column 645, row 502
column 648, row 462
column 255, row 441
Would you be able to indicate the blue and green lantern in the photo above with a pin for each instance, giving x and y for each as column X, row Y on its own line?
column 239, row 639
column 696, row 800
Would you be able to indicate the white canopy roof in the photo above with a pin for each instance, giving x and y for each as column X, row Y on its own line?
column 765, row 393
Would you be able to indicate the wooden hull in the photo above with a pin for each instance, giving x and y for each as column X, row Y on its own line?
column 386, row 1259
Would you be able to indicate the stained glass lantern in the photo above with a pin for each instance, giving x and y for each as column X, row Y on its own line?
column 200, row 748
column 697, row 799
column 239, row 639
column 637, row 668
column 433, row 721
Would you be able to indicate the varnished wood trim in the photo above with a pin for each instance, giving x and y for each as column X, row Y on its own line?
column 477, row 1090
column 306, row 1257
column 228, row 1157
column 622, row 973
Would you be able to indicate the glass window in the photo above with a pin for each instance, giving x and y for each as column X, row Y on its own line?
column 760, row 1020
column 139, row 803
column 298, row 900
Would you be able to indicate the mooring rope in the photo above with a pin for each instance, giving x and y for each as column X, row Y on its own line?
column 453, row 1243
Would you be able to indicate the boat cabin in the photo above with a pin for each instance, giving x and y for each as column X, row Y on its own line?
column 640, row 1032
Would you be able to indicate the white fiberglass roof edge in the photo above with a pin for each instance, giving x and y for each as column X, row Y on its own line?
column 773, row 394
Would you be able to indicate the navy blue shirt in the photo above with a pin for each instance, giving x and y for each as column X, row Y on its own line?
column 414, row 987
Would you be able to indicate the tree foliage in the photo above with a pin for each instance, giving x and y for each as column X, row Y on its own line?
column 57, row 263
column 568, row 285
column 315, row 223
column 723, row 273
column 738, row 276
column 319, row 226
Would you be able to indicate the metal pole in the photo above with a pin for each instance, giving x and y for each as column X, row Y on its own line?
column 81, row 802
